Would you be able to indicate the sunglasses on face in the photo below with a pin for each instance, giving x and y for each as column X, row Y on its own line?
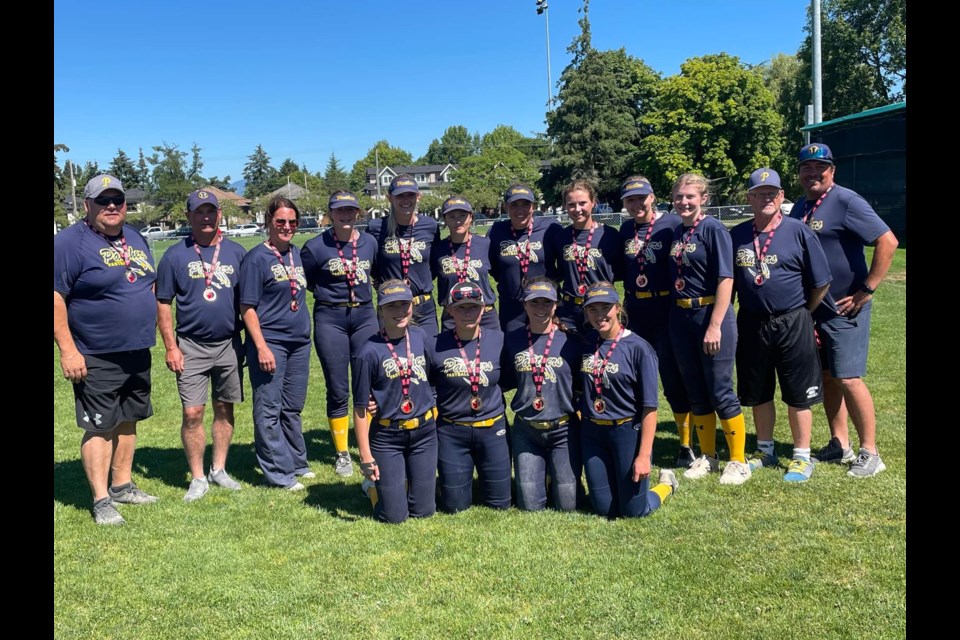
column 106, row 201
column 280, row 224
column 466, row 294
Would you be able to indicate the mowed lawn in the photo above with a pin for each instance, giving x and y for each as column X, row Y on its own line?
column 825, row 559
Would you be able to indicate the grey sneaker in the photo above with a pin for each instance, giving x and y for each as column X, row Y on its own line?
column 365, row 486
column 104, row 512
column 131, row 494
column 701, row 467
column 296, row 486
column 308, row 475
column 867, row 465
column 343, row 464
column 221, row 478
column 760, row 459
column 834, row 453
column 685, row 458
column 198, row 488
column 667, row 476
column 799, row 470
column 735, row 473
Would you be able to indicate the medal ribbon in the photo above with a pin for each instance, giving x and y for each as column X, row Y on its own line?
column 208, row 273
column 683, row 247
column 349, row 267
column 641, row 254
column 124, row 250
column 538, row 366
column 581, row 258
column 461, row 267
column 757, row 251
column 598, row 370
column 404, row 370
column 405, row 252
column 808, row 212
column 473, row 373
column 523, row 254
column 291, row 271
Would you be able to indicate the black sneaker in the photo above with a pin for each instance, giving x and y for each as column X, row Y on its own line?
column 685, row 458
column 834, row 453
column 132, row 494
column 105, row 512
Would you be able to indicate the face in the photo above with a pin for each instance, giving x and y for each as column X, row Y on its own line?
column 397, row 314
column 344, row 217
column 765, row 201
column 107, row 218
column 579, row 207
column 816, row 176
column 687, row 200
column 283, row 225
column 405, row 204
column 639, row 206
column 458, row 221
column 540, row 310
column 204, row 219
column 603, row 316
column 466, row 316
column 520, row 212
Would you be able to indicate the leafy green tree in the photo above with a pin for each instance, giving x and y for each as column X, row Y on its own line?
column 219, row 183
column 392, row 156
column 169, row 182
column 89, row 170
column 783, row 77
column 258, row 173
column 61, row 187
column 537, row 148
column 121, row 167
column 455, row 144
column 483, row 178
column 335, row 177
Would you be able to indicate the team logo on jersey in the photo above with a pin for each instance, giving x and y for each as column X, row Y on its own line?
column 747, row 259
column 812, row 392
column 574, row 252
column 416, row 247
column 139, row 264
column 586, row 366
column 521, row 362
column 511, row 249
column 689, row 248
column 221, row 277
column 816, row 225
column 635, row 245
column 419, row 374
column 455, row 367
column 449, row 266
column 282, row 274
column 336, row 268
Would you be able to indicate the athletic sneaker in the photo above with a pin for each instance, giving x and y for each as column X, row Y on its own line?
column 701, row 467
column 667, row 476
column 307, row 475
column 296, row 486
column 735, row 473
column 132, row 494
column 799, row 470
column 760, row 459
column 105, row 512
column 343, row 465
column 867, row 465
column 198, row 488
column 685, row 458
column 221, row 478
column 365, row 486
column 834, row 453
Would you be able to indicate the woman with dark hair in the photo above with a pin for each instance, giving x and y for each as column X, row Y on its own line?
column 273, row 307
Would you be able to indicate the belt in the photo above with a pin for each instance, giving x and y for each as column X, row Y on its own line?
column 574, row 300
column 767, row 317
column 611, row 423
column 547, row 424
column 421, row 298
column 340, row 304
column 650, row 294
column 479, row 423
column 696, row 303
column 411, row 423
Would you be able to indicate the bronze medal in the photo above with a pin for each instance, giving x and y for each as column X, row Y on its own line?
column 599, row 405
column 679, row 284
column 131, row 276
column 582, row 289
column 538, row 403
column 209, row 294
column 294, row 305
column 406, row 406
column 641, row 281
column 475, row 403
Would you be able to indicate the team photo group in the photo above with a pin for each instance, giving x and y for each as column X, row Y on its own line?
column 420, row 335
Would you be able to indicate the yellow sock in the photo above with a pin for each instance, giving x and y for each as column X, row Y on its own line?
column 338, row 429
column 706, row 428
column 662, row 490
column 736, row 433
column 372, row 494
column 683, row 428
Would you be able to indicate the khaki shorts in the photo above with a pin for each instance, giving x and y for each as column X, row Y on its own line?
column 220, row 363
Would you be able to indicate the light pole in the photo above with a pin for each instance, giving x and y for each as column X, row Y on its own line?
column 542, row 9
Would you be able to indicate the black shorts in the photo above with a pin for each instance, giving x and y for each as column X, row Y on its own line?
column 784, row 344
column 116, row 389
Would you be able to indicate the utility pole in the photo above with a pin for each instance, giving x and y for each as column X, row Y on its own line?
column 542, row 9
column 73, row 194
column 376, row 176
column 815, row 64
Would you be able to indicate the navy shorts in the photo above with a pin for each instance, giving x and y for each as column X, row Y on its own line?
column 116, row 389
column 844, row 342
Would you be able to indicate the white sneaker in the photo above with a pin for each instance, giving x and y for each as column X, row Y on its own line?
column 669, row 478
column 735, row 473
column 701, row 467
column 197, row 489
column 296, row 486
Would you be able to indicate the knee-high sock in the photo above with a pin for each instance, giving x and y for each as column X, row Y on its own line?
column 706, row 428
column 338, row 429
column 736, row 434
column 683, row 428
column 663, row 490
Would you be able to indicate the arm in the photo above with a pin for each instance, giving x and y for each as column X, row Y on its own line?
column 173, row 357
column 361, row 428
column 711, row 339
column 816, row 297
column 648, row 428
column 268, row 364
column 883, row 252
column 71, row 360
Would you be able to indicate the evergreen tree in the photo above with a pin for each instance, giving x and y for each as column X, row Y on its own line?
column 335, row 177
column 258, row 173
column 121, row 167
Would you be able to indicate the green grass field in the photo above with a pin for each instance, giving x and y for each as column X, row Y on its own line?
column 825, row 559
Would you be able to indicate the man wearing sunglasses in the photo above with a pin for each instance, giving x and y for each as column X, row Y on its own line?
column 104, row 324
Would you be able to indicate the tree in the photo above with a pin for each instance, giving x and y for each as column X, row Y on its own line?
column 335, row 177
column 783, row 77
column 219, row 183
column 196, row 166
column 258, row 173
column 506, row 136
column 455, row 144
column 170, row 184
column 389, row 156
column 121, row 167
column 483, row 178
column 143, row 173
column 61, row 187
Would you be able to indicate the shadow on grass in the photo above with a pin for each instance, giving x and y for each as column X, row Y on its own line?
column 339, row 500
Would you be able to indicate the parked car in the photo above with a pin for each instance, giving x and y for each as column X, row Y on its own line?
column 248, row 229
column 153, row 233
column 308, row 224
column 785, row 207
column 182, row 232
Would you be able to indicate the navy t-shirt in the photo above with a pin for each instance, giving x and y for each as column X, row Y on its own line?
column 180, row 276
column 602, row 260
column 629, row 380
column 506, row 248
column 444, row 267
column 656, row 251
column 793, row 265
column 325, row 272
column 105, row 312
column 376, row 372
column 448, row 372
column 516, row 373
column 420, row 240
column 265, row 285
column 708, row 256
column 844, row 222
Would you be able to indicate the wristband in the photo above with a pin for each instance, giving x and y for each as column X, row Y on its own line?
column 866, row 289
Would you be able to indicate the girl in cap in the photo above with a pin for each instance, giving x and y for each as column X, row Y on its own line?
column 273, row 307
column 464, row 365
column 462, row 256
column 618, row 406
column 518, row 252
column 337, row 265
column 398, row 448
column 404, row 242
column 546, row 439
column 703, row 329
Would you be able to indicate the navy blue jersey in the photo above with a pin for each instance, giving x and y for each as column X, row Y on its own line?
column 420, row 239
column 602, row 260
column 444, row 266
column 793, row 264
column 656, row 253
column 516, row 373
column 105, row 312
column 629, row 379
column 708, row 256
column 507, row 248
column 326, row 273
column 180, row 277
column 376, row 372
column 844, row 222
column 265, row 285
column 448, row 372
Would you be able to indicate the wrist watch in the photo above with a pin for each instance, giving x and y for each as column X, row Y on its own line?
column 866, row 289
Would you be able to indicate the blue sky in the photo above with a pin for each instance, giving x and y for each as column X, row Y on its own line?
column 305, row 78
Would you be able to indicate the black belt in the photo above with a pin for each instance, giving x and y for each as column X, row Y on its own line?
column 546, row 424
column 339, row 304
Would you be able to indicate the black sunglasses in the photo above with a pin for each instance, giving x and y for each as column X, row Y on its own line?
column 106, row 201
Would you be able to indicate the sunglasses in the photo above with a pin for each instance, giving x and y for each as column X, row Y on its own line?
column 106, row 201
column 293, row 224
column 466, row 294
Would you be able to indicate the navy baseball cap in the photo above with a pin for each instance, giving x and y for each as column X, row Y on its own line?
column 635, row 188
column 540, row 289
column 764, row 177
column 392, row 292
column 465, row 292
column 199, row 197
column 101, row 183
column 519, row 192
column 815, row 151
column 403, row 184
column 343, row 199
column 456, row 203
column 601, row 293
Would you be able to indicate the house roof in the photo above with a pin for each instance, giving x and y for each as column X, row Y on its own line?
column 290, row 190
column 869, row 113
column 228, row 195
column 411, row 169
